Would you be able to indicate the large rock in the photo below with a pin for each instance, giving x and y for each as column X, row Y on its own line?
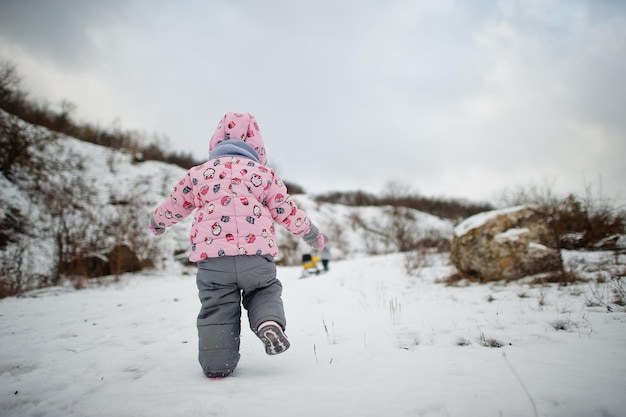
column 123, row 259
column 505, row 244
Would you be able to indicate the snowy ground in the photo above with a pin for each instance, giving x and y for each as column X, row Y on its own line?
column 367, row 340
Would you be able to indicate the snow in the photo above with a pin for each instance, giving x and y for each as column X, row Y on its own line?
column 478, row 220
column 511, row 234
column 538, row 246
column 367, row 338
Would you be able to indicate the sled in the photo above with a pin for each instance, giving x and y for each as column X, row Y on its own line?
column 309, row 265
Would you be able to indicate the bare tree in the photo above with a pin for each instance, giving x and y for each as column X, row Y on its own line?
column 9, row 81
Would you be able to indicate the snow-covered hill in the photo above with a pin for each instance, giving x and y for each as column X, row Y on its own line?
column 92, row 198
column 87, row 197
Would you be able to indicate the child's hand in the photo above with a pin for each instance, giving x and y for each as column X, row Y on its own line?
column 155, row 228
column 314, row 238
column 320, row 241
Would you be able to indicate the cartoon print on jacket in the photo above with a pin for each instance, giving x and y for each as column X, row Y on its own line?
column 236, row 200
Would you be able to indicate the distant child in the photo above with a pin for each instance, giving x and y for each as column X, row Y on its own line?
column 326, row 256
column 236, row 199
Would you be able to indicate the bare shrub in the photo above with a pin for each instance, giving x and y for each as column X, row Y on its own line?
column 395, row 311
column 610, row 295
column 562, row 278
column 561, row 324
column 618, row 291
column 13, row 223
column 416, row 260
column 64, row 203
column 422, row 256
column 586, row 222
column 13, row 276
column 461, row 341
column 459, row 279
column 335, row 235
column 490, row 342
column 396, row 230
column 9, row 83
column 541, row 299
column 609, row 287
column 401, row 195
column 130, row 244
column 21, row 145
column 289, row 250
column 81, row 243
column 373, row 246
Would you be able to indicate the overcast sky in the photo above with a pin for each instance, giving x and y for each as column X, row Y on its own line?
column 460, row 99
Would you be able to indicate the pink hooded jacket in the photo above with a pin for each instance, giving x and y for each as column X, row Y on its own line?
column 236, row 199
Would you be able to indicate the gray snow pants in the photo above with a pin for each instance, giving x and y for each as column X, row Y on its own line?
column 221, row 284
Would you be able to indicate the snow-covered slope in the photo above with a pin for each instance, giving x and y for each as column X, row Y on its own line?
column 104, row 198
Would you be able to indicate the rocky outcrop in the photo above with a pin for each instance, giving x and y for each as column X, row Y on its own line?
column 505, row 244
column 121, row 259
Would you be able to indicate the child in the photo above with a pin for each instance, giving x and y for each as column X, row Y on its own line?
column 326, row 255
column 236, row 199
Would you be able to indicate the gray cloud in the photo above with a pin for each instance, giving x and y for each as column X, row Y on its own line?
column 57, row 29
column 456, row 98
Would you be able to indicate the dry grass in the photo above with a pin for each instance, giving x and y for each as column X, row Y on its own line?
column 562, row 279
column 489, row 342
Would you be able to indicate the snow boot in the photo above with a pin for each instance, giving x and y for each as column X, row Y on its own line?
column 272, row 335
